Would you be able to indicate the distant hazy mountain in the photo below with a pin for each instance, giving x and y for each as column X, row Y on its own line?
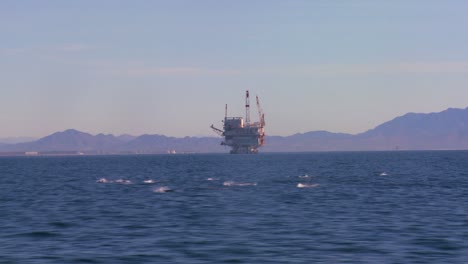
column 76, row 141
column 162, row 144
column 68, row 140
column 445, row 130
column 436, row 131
column 310, row 141
column 126, row 137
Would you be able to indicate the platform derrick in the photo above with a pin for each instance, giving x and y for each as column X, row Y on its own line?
column 240, row 134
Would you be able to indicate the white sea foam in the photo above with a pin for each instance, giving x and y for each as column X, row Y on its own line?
column 212, row 179
column 383, row 174
column 305, row 176
column 232, row 183
column 103, row 180
column 162, row 189
column 122, row 181
column 307, row 185
column 149, row 181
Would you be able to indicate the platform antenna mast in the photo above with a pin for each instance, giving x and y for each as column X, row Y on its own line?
column 261, row 115
column 225, row 112
column 247, row 108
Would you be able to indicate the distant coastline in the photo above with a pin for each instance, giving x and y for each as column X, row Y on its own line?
column 446, row 130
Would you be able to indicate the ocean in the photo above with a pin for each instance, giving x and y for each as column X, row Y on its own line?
column 332, row 207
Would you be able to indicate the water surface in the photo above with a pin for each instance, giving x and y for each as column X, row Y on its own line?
column 350, row 207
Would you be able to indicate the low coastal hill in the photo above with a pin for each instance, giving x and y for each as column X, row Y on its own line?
column 413, row 131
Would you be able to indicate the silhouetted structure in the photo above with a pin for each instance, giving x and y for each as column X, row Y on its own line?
column 242, row 136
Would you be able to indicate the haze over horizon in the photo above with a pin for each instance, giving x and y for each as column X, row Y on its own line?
column 169, row 67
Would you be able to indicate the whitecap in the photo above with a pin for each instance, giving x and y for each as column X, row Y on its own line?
column 103, row 180
column 232, row 183
column 162, row 189
column 307, row 185
column 149, row 181
column 383, row 174
column 305, row 176
column 212, row 179
column 122, row 181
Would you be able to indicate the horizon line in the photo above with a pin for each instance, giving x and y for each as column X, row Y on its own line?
column 207, row 136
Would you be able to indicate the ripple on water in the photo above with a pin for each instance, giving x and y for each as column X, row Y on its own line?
column 61, row 207
column 162, row 189
column 38, row 234
column 61, row 224
column 233, row 183
column 307, row 185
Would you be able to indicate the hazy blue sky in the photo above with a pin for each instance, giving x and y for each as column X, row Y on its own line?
column 168, row 67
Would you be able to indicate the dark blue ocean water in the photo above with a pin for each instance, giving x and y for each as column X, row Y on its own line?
column 356, row 207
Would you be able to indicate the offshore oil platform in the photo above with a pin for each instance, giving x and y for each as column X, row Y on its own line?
column 241, row 135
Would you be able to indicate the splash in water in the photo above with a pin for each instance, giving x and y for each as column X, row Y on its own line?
column 122, row 181
column 232, row 183
column 103, row 180
column 307, row 185
column 162, row 189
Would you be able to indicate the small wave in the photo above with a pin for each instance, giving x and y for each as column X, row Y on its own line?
column 85, row 260
column 61, row 224
column 212, row 179
column 162, row 189
column 383, row 174
column 232, row 183
column 39, row 234
column 149, row 181
column 122, row 181
column 307, row 185
column 103, row 180
column 305, row 176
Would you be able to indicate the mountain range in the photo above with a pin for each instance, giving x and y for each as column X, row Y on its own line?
column 413, row 131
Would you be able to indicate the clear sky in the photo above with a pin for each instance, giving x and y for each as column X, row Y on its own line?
column 169, row 67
